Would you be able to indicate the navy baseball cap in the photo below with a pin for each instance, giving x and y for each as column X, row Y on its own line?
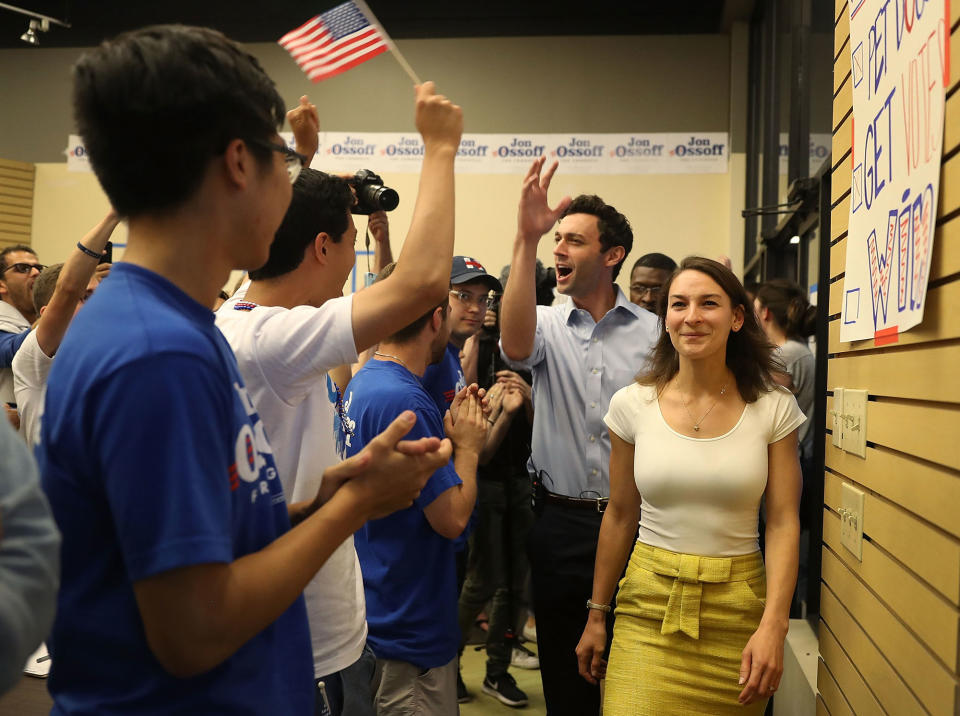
column 466, row 269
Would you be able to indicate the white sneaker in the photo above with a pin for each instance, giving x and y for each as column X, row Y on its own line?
column 523, row 658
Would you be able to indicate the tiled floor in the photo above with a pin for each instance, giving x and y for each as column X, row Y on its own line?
column 473, row 667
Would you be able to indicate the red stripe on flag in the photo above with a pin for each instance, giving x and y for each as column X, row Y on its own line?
column 336, row 49
column 886, row 336
column 343, row 68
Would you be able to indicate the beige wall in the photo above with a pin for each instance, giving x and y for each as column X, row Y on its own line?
column 548, row 84
column 677, row 214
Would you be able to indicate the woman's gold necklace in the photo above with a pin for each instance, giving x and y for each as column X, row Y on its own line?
column 696, row 423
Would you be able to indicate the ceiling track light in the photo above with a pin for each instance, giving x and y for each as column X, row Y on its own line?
column 38, row 22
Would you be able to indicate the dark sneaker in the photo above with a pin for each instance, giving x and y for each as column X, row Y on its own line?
column 504, row 689
column 463, row 696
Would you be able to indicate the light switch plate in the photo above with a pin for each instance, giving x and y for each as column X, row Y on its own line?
column 855, row 422
column 837, row 421
column 851, row 519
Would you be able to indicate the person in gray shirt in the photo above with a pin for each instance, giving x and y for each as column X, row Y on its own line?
column 29, row 558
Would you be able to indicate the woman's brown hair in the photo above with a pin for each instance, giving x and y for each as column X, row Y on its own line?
column 749, row 353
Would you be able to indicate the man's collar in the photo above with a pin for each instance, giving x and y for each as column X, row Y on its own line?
column 10, row 317
column 621, row 302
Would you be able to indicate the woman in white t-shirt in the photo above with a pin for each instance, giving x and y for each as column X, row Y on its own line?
column 697, row 441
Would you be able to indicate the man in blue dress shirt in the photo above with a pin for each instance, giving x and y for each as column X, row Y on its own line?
column 580, row 353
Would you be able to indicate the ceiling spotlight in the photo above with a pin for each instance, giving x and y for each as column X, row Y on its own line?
column 30, row 36
column 794, row 239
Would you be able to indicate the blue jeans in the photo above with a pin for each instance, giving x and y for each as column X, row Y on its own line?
column 349, row 692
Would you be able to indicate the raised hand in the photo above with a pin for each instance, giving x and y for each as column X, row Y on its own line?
column 388, row 474
column 379, row 226
column 439, row 121
column 534, row 216
column 305, row 125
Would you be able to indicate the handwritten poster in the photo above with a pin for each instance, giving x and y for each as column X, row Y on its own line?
column 899, row 52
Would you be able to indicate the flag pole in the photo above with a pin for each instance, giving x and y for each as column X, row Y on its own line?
column 390, row 44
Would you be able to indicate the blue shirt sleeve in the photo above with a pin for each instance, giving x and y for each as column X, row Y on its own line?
column 164, row 426
column 9, row 345
column 429, row 425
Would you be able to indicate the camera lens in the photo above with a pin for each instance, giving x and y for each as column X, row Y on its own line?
column 382, row 197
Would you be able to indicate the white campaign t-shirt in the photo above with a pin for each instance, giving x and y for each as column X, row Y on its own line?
column 701, row 495
column 284, row 355
column 31, row 366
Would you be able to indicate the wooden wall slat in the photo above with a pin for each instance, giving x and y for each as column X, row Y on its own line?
column 919, row 487
column 839, row 218
column 821, row 707
column 843, row 99
column 838, row 257
column 16, row 192
column 12, row 238
column 14, row 164
column 14, row 219
column 841, row 36
column 933, row 556
column 6, row 172
column 936, row 687
column 951, row 121
column 836, row 296
column 900, row 373
column 941, row 321
column 927, row 431
column 954, row 65
column 928, row 614
column 16, row 183
column 11, row 228
column 841, row 146
column 830, row 693
column 849, row 681
column 16, row 201
column 885, row 683
column 839, row 6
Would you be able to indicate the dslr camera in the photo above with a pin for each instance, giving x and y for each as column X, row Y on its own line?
column 372, row 195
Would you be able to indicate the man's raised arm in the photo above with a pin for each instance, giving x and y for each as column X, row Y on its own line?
column 518, row 310
column 72, row 284
column 422, row 276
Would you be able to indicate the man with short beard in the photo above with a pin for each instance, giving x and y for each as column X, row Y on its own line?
column 18, row 270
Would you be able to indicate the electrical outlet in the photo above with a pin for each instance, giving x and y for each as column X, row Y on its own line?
column 851, row 519
column 855, row 422
column 836, row 416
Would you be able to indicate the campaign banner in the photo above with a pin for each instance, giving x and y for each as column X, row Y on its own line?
column 899, row 53
column 77, row 160
column 820, row 147
column 402, row 152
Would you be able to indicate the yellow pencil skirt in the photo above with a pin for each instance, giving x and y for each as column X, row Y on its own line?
column 682, row 622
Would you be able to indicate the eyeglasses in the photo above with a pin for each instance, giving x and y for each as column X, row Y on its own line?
column 295, row 161
column 654, row 291
column 23, row 268
column 481, row 301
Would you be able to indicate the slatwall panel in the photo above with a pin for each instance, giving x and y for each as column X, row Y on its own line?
column 16, row 202
column 890, row 622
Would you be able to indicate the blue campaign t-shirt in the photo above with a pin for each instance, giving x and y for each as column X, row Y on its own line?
column 153, row 457
column 445, row 379
column 409, row 573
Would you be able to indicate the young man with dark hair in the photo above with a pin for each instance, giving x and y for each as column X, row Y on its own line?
column 293, row 326
column 579, row 353
column 58, row 293
column 647, row 277
column 409, row 573
column 181, row 580
column 19, row 268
